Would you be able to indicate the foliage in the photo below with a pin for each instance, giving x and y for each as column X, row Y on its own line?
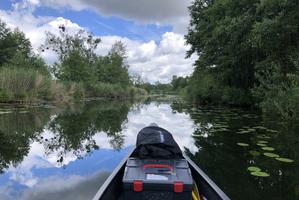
column 12, row 43
column 249, row 47
column 79, row 72
column 107, row 90
column 157, row 88
column 33, row 62
column 113, row 68
column 76, row 52
column 98, row 76
column 179, row 82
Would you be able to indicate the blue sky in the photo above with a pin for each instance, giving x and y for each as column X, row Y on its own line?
column 101, row 25
column 153, row 31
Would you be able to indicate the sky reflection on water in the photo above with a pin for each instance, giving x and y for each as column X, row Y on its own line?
column 67, row 152
column 51, row 172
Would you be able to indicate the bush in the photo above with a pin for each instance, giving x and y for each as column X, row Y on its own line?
column 204, row 88
column 236, row 96
column 107, row 90
column 284, row 103
column 135, row 91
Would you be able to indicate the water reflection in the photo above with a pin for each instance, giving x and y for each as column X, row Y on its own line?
column 17, row 130
column 58, row 152
column 218, row 130
column 67, row 152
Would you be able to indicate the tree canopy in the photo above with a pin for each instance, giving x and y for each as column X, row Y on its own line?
column 249, row 46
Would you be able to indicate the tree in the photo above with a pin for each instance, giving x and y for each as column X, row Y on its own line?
column 19, row 60
column 244, row 44
column 179, row 82
column 113, row 68
column 12, row 43
column 76, row 54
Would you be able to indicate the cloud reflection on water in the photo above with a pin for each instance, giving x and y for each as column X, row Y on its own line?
column 39, row 176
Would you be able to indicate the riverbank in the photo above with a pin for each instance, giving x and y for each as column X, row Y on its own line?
column 21, row 86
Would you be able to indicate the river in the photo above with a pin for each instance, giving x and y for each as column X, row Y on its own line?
column 67, row 152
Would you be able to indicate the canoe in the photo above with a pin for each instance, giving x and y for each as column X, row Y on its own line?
column 112, row 187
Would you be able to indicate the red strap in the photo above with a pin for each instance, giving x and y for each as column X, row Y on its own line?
column 137, row 186
column 157, row 166
column 178, row 187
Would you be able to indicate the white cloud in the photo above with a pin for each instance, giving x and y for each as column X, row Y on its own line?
column 153, row 61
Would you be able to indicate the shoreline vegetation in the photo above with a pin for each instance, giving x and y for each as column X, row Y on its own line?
column 78, row 74
column 248, row 55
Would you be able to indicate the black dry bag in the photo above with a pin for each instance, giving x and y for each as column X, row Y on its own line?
column 156, row 142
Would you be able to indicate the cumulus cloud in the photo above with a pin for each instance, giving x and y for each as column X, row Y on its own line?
column 152, row 61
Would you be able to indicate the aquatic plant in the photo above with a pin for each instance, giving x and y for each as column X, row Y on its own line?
column 254, row 169
column 287, row 160
column 268, row 148
column 271, row 155
column 242, row 144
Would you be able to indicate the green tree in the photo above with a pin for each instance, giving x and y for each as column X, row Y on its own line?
column 113, row 68
column 76, row 54
column 179, row 82
column 12, row 43
column 245, row 46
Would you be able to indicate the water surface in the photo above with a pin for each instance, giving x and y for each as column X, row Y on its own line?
column 67, row 152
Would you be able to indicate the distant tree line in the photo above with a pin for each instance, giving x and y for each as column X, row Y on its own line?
column 248, row 53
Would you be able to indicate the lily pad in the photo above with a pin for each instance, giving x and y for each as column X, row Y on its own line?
column 287, row 160
column 260, row 127
column 261, row 145
column 268, row 148
column 262, row 142
column 260, row 174
column 271, row 155
column 254, row 169
column 263, row 137
column 5, row 112
column 242, row 132
column 242, row 144
column 271, row 131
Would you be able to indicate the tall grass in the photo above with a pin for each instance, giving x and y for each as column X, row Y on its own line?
column 23, row 85
column 107, row 90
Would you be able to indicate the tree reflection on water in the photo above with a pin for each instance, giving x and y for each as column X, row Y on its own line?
column 17, row 130
column 63, row 132
column 219, row 129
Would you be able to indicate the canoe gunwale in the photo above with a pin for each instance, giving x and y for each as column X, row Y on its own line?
column 206, row 178
column 112, row 176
